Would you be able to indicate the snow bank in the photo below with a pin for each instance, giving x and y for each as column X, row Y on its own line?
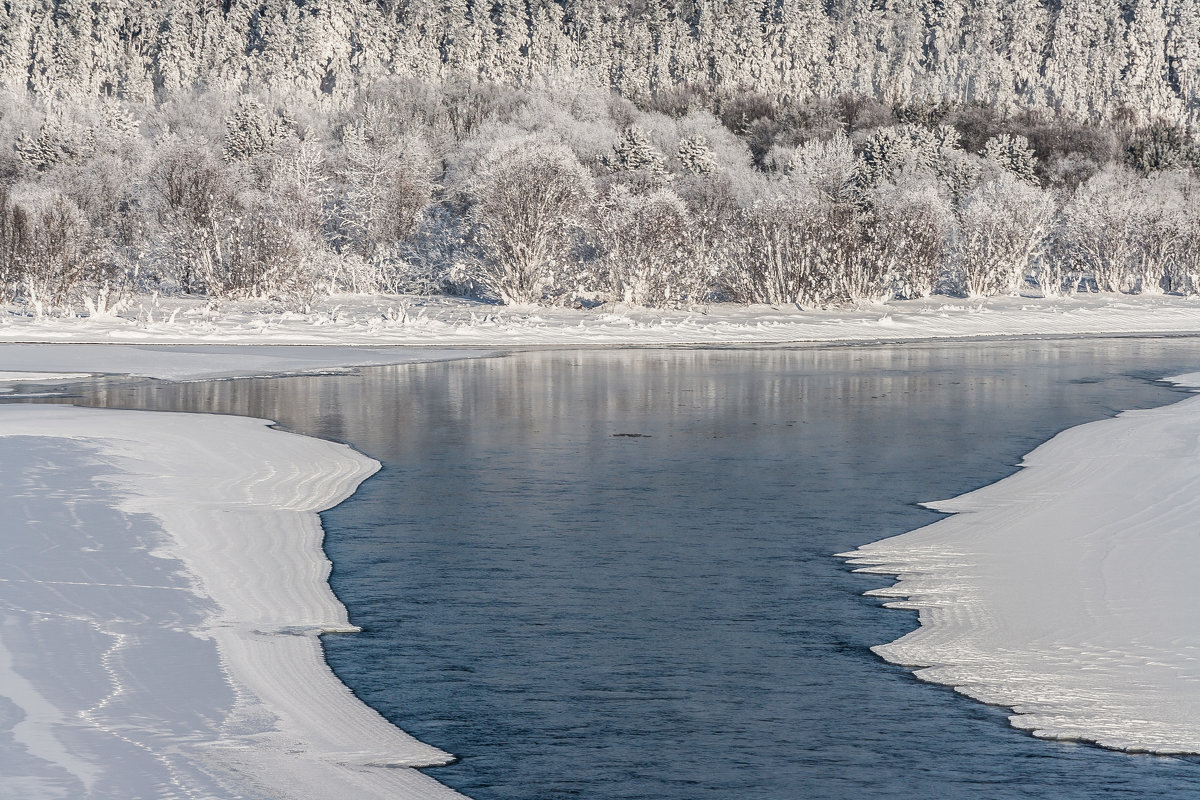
column 455, row 322
column 174, row 651
column 1068, row 591
column 10, row 379
column 39, row 363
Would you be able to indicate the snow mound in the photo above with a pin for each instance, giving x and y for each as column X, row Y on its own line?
column 1068, row 591
column 206, row 679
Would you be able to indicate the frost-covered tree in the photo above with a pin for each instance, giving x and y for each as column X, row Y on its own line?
column 1179, row 224
column 829, row 167
column 387, row 174
column 177, row 65
column 251, row 130
column 1145, row 84
column 527, row 203
column 16, row 36
column 1162, row 146
column 909, row 229
column 1099, row 229
column 60, row 140
column 1012, row 153
column 772, row 254
column 1003, row 227
column 909, row 146
column 48, row 252
column 1183, row 54
column 647, row 248
column 1087, row 57
column 635, row 161
column 795, row 248
column 696, row 157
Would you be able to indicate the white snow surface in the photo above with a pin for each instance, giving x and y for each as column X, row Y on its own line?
column 450, row 322
column 1068, row 591
column 39, row 363
column 160, row 606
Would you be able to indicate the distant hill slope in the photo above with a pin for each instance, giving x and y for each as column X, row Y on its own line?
column 1093, row 60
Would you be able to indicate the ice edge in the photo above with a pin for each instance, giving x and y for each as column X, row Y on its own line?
column 1066, row 591
column 239, row 505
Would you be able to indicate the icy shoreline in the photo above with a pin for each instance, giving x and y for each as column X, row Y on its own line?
column 235, row 551
column 381, row 320
column 1067, row 591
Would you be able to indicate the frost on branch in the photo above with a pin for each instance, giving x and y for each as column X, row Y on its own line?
column 527, row 205
column 1003, row 226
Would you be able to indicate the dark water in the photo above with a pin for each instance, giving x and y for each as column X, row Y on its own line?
column 577, row 612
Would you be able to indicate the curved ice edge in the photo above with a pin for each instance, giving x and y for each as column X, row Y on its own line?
column 237, row 502
column 1067, row 592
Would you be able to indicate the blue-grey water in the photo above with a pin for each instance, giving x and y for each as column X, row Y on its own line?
column 609, row 574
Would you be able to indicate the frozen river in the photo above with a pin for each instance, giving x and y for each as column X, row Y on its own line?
column 609, row 574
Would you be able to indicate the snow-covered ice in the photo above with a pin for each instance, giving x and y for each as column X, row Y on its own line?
column 39, row 363
column 1068, row 591
column 160, row 603
column 455, row 322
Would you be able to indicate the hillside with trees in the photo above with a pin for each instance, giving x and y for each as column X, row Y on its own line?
column 652, row 153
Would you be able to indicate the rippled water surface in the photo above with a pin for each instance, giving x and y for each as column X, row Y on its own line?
column 609, row 574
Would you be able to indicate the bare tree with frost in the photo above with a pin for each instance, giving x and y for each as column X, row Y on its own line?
column 910, row 225
column 1003, row 227
column 647, row 248
column 48, row 251
column 1183, row 272
column 388, row 183
column 1098, row 231
column 829, row 167
column 795, row 249
column 527, row 204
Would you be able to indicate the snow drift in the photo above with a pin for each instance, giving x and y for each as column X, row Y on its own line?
column 1067, row 591
column 161, row 605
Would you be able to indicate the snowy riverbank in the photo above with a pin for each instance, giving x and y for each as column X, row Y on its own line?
column 41, row 364
column 360, row 320
column 1067, row 591
column 162, row 604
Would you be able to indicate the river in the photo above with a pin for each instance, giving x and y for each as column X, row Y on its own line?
column 609, row 573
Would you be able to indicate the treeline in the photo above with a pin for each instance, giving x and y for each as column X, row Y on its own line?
column 579, row 196
column 657, row 152
column 1131, row 61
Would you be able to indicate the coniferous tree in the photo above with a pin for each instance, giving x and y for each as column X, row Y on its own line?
column 696, row 157
column 1013, row 154
column 1144, row 85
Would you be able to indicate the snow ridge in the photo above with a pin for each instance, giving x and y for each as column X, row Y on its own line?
column 237, row 506
column 1067, row 591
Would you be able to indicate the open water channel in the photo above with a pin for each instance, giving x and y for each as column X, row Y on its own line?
column 608, row 574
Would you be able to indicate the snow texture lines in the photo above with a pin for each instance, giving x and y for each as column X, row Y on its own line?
column 161, row 632
column 1067, row 591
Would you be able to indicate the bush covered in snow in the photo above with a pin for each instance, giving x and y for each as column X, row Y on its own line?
column 552, row 154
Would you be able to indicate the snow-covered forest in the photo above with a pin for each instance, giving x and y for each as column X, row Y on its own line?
column 650, row 152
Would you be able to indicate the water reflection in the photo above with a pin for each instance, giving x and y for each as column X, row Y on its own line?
column 578, row 613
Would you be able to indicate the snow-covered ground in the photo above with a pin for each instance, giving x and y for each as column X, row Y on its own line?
column 161, row 595
column 1068, row 591
column 39, row 363
column 449, row 322
column 164, row 585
